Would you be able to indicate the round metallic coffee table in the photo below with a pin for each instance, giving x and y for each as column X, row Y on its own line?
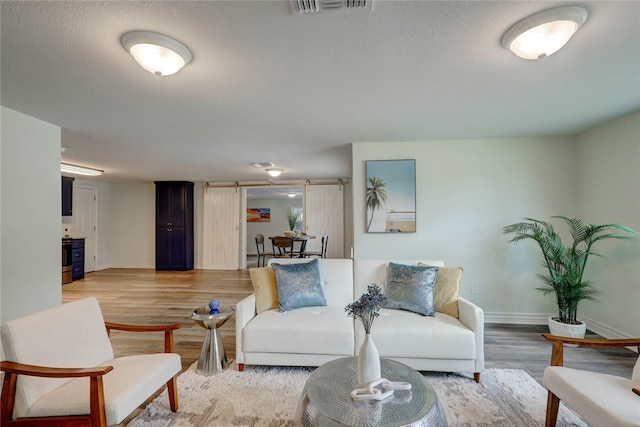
column 213, row 358
column 326, row 399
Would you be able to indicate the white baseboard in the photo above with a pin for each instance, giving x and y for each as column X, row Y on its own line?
column 516, row 318
column 541, row 319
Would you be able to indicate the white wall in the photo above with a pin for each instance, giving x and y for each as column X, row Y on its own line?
column 466, row 192
column 132, row 229
column 609, row 191
column 30, row 249
column 275, row 227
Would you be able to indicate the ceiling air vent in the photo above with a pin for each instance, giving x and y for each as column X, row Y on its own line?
column 308, row 6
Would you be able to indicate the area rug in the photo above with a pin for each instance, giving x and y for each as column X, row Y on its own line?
column 268, row 396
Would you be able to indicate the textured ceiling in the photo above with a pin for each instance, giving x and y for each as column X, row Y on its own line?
column 267, row 85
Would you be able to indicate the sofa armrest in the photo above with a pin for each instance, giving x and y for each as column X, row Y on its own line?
column 245, row 311
column 167, row 329
column 472, row 317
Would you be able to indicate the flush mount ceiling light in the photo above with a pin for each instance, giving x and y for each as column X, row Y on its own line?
column 292, row 195
column 80, row 170
column 274, row 171
column 544, row 33
column 157, row 53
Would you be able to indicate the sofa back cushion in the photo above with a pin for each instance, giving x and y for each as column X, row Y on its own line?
column 336, row 276
column 71, row 335
column 368, row 271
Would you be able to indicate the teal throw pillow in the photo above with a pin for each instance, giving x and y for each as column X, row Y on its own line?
column 298, row 285
column 410, row 288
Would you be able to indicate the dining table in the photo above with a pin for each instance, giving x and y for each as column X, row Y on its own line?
column 302, row 239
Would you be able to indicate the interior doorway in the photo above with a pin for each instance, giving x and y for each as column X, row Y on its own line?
column 85, row 216
column 265, row 212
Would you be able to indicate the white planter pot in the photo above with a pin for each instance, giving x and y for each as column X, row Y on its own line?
column 565, row 329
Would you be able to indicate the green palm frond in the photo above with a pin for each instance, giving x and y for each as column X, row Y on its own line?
column 565, row 265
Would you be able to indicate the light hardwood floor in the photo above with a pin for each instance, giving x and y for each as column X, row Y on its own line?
column 144, row 296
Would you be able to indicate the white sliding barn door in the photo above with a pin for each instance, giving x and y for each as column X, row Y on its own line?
column 220, row 230
column 323, row 214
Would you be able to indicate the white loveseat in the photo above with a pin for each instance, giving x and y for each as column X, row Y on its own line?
column 312, row 336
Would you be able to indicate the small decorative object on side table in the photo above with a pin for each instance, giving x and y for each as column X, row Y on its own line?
column 213, row 358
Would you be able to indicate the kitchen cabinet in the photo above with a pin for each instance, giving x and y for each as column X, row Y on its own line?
column 77, row 259
column 67, row 195
column 174, row 225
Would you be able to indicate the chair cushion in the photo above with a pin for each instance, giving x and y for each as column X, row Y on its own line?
column 131, row 382
column 264, row 287
column 399, row 333
column 70, row 335
column 600, row 399
column 410, row 288
column 307, row 330
column 299, row 285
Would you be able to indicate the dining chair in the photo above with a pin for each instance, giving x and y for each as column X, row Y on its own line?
column 282, row 247
column 262, row 253
column 323, row 250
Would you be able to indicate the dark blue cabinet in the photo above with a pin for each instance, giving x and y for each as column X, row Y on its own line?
column 77, row 259
column 67, row 196
column 174, row 225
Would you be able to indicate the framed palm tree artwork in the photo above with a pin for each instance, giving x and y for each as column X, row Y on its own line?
column 391, row 196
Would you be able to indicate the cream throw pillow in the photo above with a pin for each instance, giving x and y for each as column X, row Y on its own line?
column 447, row 289
column 264, row 288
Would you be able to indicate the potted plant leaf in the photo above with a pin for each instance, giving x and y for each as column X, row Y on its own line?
column 293, row 216
column 565, row 264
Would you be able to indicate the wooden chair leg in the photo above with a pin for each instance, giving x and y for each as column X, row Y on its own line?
column 96, row 402
column 553, row 402
column 172, row 391
column 476, row 377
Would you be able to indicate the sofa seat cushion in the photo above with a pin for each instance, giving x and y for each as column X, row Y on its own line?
column 132, row 380
column 400, row 333
column 306, row 330
column 600, row 399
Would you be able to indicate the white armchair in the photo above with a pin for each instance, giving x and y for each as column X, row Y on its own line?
column 60, row 369
column 599, row 399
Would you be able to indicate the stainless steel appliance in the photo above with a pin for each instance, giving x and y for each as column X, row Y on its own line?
column 67, row 260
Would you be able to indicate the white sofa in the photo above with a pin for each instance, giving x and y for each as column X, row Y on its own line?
column 312, row 336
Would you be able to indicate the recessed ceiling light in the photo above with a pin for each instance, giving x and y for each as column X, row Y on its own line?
column 544, row 33
column 158, row 54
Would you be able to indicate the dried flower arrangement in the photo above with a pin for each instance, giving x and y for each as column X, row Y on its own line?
column 367, row 308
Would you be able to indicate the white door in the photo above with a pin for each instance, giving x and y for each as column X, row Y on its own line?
column 85, row 215
column 220, row 229
column 323, row 214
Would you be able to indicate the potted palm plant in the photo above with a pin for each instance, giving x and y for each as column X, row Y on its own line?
column 564, row 265
column 293, row 216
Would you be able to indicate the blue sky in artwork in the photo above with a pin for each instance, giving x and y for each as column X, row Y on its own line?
column 401, row 185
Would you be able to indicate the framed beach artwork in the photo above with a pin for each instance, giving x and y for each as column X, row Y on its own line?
column 258, row 214
column 391, row 196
